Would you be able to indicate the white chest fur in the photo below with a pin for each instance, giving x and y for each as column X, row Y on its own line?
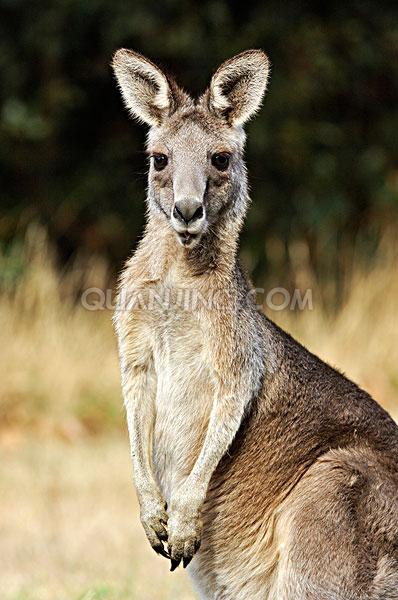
column 184, row 394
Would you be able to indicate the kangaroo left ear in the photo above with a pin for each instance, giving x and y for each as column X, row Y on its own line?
column 148, row 94
column 237, row 87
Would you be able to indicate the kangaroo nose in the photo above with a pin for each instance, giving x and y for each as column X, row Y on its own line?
column 188, row 210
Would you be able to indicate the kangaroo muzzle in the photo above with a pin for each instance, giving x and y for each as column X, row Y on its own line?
column 188, row 219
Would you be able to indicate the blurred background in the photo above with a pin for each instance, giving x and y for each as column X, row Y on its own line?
column 322, row 158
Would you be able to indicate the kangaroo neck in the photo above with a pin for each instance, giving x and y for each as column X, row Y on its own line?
column 216, row 253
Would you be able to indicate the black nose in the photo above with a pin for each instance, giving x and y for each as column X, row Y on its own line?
column 188, row 210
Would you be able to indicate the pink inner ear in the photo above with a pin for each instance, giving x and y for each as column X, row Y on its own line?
column 238, row 86
column 149, row 95
column 240, row 98
column 144, row 87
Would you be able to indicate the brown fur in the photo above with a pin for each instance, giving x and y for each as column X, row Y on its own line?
column 285, row 470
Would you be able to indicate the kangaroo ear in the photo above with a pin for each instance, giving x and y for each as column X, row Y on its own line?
column 146, row 91
column 237, row 87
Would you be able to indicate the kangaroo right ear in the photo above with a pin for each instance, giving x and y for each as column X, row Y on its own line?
column 146, row 91
column 238, row 86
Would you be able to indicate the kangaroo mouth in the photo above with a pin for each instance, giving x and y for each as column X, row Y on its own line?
column 188, row 235
column 187, row 239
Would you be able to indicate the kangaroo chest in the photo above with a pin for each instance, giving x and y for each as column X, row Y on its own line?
column 184, row 394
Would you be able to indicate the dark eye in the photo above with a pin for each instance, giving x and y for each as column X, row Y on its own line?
column 220, row 160
column 159, row 161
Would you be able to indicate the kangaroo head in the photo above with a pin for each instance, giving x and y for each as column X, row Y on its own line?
column 197, row 175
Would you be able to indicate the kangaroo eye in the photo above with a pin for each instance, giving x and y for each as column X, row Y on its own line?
column 159, row 161
column 220, row 160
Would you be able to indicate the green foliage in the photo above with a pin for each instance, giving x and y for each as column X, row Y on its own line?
column 322, row 154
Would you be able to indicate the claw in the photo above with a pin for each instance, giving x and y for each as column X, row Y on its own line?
column 186, row 561
column 174, row 563
column 160, row 550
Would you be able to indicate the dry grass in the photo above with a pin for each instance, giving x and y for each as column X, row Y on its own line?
column 362, row 338
column 68, row 518
column 59, row 369
column 69, row 528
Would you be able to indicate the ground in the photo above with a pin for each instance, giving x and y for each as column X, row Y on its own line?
column 69, row 526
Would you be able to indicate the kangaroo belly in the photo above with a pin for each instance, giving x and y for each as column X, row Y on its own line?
column 183, row 399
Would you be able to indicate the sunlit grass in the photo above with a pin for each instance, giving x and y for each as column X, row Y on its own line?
column 361, row 339
column 69, row 526
column 59, row 371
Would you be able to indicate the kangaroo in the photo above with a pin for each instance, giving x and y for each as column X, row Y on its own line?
column 272, row 471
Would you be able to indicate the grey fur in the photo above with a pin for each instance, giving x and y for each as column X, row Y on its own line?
column 282, row 468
